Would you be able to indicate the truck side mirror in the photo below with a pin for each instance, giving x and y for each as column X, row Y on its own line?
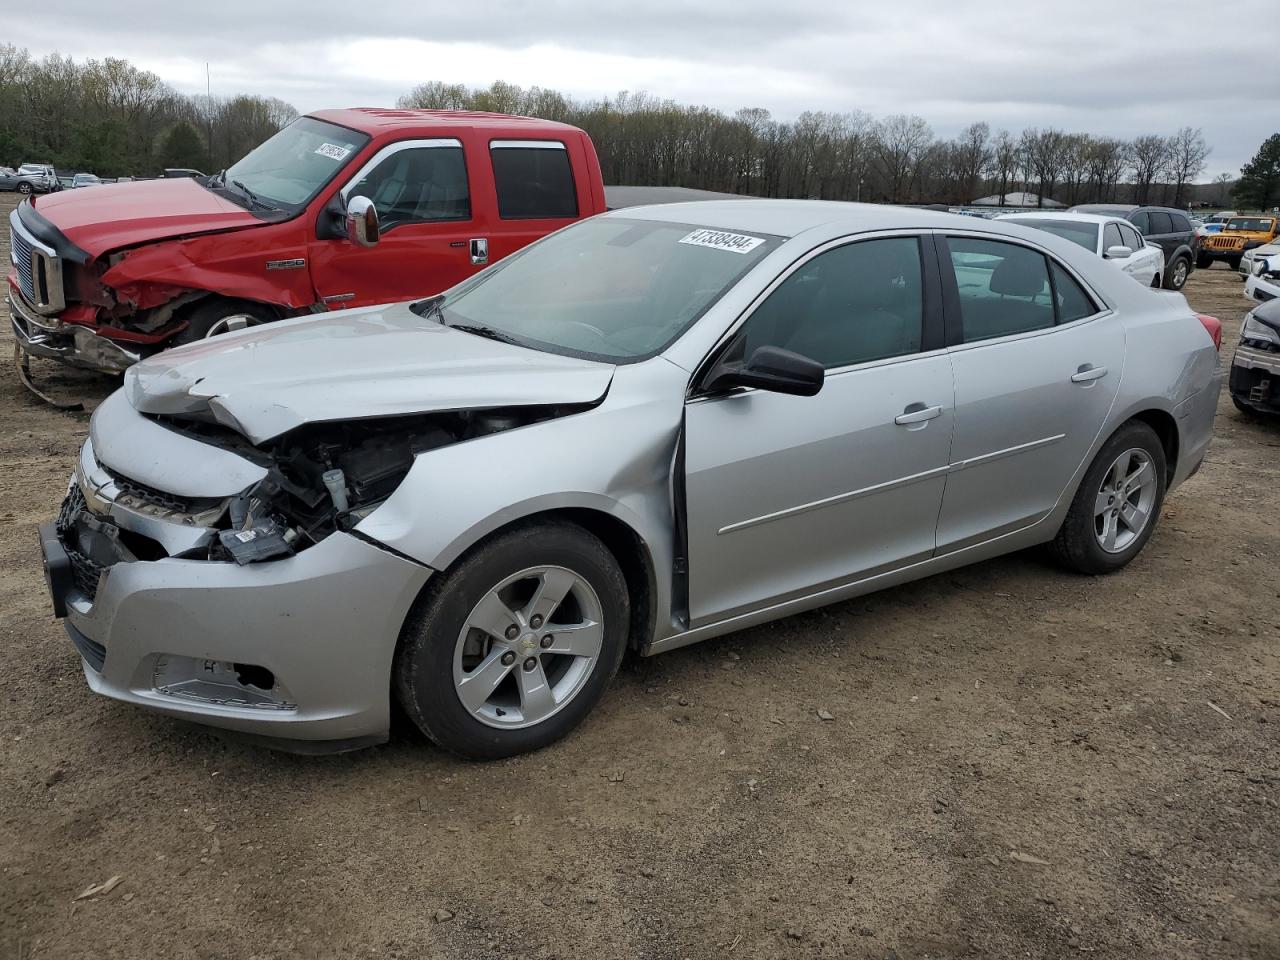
column 362, row 222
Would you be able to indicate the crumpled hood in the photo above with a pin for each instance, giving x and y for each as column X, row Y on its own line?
column 375, row 362
column 116, row 215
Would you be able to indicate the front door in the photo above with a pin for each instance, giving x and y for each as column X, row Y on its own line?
column 422, row 194
column 786, row 495
column 1037, row 366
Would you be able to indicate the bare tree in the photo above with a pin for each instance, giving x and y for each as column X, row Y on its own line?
column 972, row 156
column 1187, row 155
column 1148, row 155
column 1045, row 152
column 899, row 144
column 1007, row 161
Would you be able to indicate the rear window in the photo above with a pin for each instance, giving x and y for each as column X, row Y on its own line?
column 534, row 180
column 1081, row 233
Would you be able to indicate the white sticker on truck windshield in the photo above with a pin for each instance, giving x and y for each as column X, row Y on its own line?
column 333, row 151
column 719, row 240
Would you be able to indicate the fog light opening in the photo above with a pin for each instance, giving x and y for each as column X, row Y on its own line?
column 252, row 675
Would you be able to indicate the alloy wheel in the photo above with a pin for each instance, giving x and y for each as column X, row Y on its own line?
column 234, row 321
column 1125, row 501
column 528, row 647
column 1179, row 274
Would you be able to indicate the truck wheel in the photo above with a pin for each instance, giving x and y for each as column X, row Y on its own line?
column 509, row 650
column 1233, row 262
column 221, row 316
column 1116, row 508
column 1203, row 261
column 24, row 188
column 1175, row 278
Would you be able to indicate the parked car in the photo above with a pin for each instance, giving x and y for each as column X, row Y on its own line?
column 180, row 173
column 1255, row 366
column 1204, row 229
column 85, row 180
column 339, row 209
column 1169, row 228
column 1263, row 283
column 1249, row 259
column 30, row 178
column 1112, row 238
column 656, row 426
column 1238, row 236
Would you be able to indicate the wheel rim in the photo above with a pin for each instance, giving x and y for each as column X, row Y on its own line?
column 236, row 321
column 528, row 647
column 1180, row 273
column 1125, row 501
column 24, row 188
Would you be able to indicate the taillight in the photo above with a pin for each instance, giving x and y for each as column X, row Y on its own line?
column 1214, row 326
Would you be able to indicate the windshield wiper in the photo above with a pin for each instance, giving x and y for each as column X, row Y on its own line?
column 482, row 331
column 431, row 305
column 253, row 197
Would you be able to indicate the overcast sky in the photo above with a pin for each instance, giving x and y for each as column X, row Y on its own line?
column 1101, row 66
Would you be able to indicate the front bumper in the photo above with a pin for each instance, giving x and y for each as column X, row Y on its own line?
column 1255, row 378
column 1260, row 289
column 298, row 649
column 71, row 343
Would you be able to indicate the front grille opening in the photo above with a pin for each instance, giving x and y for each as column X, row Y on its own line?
column 252, row 675
column 144, row 548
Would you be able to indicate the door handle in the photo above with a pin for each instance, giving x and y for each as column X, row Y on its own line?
column 918, row 415
column 480, row 250
column 1088, row 373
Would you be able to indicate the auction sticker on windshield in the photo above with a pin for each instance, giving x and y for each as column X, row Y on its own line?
column 333, row 151
column 719, row 240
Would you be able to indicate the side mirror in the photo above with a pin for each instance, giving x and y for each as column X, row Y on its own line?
column 1118, row 252
column 772, row 369
column 362, row 222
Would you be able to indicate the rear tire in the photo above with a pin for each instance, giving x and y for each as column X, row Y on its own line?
column 1175, row 277
column 536, row 676
column 1117, row 506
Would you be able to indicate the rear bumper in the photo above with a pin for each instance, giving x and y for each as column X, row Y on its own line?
column 70, row 343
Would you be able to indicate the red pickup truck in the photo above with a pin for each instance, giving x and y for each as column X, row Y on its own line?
column 341, row 208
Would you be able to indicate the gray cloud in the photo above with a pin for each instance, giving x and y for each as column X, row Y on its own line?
column 1093, row 65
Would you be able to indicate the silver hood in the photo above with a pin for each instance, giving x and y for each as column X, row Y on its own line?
column 376, row 362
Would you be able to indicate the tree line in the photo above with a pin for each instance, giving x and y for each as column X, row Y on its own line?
column 110, row 118
column 846, row 156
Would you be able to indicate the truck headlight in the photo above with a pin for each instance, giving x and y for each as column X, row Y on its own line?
column 1255, row 329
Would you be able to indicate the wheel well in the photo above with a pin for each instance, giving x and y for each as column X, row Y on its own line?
column 627, row 548
column 1166, row 429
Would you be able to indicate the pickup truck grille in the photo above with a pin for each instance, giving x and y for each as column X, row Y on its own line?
column 1225, row 243
column 22, row 259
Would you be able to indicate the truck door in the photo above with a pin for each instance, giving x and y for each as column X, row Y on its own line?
column 536, row 191
column 422, row 193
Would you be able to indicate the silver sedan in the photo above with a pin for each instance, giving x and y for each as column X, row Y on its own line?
column 653, row 427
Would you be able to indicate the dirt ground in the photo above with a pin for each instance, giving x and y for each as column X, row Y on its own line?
column 1022, row 763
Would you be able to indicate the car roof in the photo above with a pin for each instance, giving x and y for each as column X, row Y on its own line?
column 788, row 218
column 374, row 120
column 1066, row 215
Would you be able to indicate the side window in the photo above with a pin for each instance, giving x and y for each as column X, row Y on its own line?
column 1072, row 302
column 1160, row 222
column 418, row 185
column 1180, row 223
column 534, row 180
column 1004, row 288
column 1132, row 238
column 1141, row 221
column 856, row 303
column 1111, row 238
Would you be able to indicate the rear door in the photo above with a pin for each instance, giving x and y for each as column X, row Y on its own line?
column 422, row 191
column 787, row 495
column 1160, row 231
column 538, row 187
column 1037, row 363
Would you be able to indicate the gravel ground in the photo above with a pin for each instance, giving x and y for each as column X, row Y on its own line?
column 1019, row 762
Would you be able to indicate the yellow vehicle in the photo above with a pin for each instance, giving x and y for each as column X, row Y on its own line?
column 1239, row 234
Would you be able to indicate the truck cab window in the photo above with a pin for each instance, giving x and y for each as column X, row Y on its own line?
column 534, row 180
column 418, row 185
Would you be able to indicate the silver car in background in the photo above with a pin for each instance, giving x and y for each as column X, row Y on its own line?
column 653, row 427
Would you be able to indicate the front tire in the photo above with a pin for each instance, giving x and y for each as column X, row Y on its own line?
column 1234, row 262
column 25, row 189
column 211, row 318
column 1203, row 262
column 511, row 649
column 1176, row 276
column 1116, row 509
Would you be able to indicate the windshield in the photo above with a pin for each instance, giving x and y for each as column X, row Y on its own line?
column 1250, row 224
column 288, row 169
column 1081, row 234
column 607, row 288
